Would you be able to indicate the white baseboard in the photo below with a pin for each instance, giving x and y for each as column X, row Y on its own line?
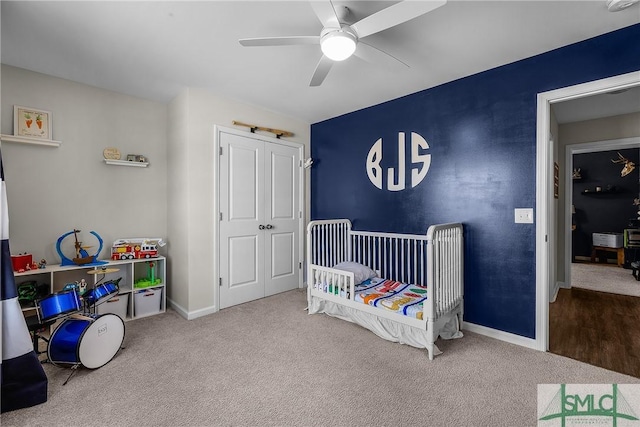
column 177, row 308
column 553, row 292
column 501, row 335
column 193, row 314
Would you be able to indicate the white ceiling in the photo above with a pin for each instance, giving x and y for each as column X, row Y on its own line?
column 154, row 49
column 596, row 106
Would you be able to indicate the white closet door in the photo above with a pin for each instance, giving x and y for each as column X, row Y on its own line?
column 242, row 208
column 261, row 207
column 282, row 212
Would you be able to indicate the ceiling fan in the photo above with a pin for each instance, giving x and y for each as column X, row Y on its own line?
column 339, row 40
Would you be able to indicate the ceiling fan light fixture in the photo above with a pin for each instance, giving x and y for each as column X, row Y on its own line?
column 338, row 45
column 617, row 5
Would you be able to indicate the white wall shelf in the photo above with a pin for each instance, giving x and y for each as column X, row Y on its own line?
column 126, row 163
column 29, row 140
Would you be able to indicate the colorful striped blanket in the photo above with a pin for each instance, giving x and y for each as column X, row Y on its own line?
column 391, row 295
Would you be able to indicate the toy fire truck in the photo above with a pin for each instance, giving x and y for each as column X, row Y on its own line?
column 135, row 248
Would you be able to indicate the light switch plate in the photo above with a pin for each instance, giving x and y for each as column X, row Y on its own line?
column 524, row 215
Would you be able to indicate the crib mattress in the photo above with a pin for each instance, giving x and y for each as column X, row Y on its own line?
column 393, row 296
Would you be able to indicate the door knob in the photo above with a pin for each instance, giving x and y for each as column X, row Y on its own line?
column 269, row 226
column 261, row 227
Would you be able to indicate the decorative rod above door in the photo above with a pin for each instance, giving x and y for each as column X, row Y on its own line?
column 277, row 132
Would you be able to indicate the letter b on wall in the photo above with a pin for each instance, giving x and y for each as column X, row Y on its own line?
column 396, row 179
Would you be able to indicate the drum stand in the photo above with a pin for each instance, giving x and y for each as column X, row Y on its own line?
column 35, row 325
column 74, row 369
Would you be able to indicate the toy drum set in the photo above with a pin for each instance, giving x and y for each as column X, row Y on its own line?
column 84, row 338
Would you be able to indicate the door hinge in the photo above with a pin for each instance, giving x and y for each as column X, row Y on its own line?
column 220, row 216
column 300, row 214
column 300, row 162
column 219, row 281
column 220, row 151
column 300, row 265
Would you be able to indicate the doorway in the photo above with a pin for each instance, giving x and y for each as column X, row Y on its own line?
column 544, row 188
column 588, row 148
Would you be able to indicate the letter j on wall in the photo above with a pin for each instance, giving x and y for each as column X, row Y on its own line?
column 419, row 163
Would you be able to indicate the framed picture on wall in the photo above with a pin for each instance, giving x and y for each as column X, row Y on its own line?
column 31, row 122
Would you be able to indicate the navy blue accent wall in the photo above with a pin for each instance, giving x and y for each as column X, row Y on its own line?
column 481, row 132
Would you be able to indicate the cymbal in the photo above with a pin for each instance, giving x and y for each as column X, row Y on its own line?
column 103, row 270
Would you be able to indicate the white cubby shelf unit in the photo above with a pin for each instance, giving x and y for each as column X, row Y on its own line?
column 129, row 270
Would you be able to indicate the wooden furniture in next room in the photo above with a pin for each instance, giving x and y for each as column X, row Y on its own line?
column 618, row 251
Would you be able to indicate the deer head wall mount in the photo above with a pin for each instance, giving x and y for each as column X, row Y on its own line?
column 629, row 166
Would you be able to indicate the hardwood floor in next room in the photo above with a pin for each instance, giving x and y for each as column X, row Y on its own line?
column 597, row 328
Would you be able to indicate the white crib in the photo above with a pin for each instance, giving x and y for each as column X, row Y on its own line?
column 434, row 260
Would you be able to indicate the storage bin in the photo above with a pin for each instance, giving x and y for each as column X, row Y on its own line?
column 608, row 240
column 147, row 302
column 116, row 305
column 20, row 262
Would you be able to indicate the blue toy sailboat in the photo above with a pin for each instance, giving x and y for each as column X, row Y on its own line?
column 82, row 257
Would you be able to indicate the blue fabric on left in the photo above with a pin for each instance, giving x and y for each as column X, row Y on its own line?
column 24, row 382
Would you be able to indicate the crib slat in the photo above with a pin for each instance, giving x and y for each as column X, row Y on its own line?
column 397, row 256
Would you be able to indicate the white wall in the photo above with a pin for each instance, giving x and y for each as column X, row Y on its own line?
column 192, row 116
column 53, row 190
column 177, row 212
column 608, row 128
column 554, row 220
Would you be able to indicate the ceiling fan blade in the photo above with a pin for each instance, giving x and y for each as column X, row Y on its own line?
column 280, row 41
column 394, row 15
column 322, row 69
column 376, row 56
column 326, row 13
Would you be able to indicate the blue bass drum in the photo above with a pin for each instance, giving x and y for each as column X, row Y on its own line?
column 91, row 341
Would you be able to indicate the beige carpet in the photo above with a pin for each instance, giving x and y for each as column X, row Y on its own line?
column 269, row 363
column 604, row 278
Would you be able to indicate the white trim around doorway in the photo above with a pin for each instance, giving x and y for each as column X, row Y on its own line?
column 544, row 194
